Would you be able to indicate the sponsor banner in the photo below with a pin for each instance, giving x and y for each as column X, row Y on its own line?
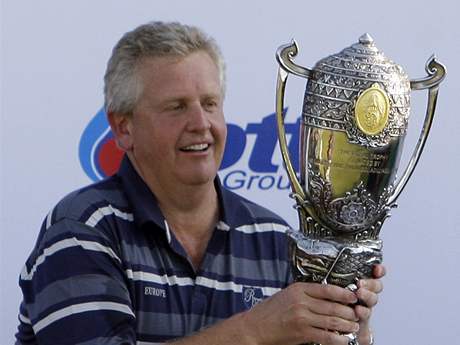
column 247, row 163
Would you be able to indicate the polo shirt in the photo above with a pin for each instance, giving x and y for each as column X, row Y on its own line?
column 106, row 268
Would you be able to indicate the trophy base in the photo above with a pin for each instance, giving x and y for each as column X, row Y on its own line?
column 335, row 261
column 352, row 340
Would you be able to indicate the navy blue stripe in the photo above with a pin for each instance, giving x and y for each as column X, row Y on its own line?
column 156, row 338
column 223, row 303
column 260, row 220
column 25, row 335
column 85, row 326
column 170, row 271
column 74, row 301
column 255, row 246
column 68, row 263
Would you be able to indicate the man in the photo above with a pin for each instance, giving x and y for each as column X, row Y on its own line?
column 160, row 251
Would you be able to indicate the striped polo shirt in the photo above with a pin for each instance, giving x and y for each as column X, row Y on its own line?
column 106, row 269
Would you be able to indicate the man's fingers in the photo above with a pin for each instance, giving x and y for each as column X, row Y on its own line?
column 363, row 313
column 367, row 297
column 332, row 308
column 365, row 338
column 330, row 292
column 333, row 323
column 373, row 285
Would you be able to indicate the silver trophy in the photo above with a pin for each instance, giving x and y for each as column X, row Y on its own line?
column 354, row 121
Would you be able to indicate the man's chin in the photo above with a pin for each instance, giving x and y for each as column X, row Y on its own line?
column 199, row 179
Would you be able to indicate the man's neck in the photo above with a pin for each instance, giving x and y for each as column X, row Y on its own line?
column 191, row 211
column 192, row 218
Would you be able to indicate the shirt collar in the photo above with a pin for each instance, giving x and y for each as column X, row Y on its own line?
column 145, row 205
column 143, row 201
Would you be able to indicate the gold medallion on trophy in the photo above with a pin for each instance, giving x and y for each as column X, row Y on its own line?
column 371, row 110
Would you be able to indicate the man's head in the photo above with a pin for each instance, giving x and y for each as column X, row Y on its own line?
column 164, row 101
column 123, row 84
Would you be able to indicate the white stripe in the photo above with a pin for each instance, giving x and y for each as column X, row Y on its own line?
column 168, row 231
column 217, row 285
column 24, row 319
column 93, row 153
column 202, row 281
column 263, row 227
column 48, row 219
column 159, row 279
column 80, row 308
column 107, row 211
column 147, row 343
column 222, row 226
column 65, row 244
column 232, row 286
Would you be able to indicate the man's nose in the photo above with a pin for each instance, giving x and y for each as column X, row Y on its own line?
column 198, row 119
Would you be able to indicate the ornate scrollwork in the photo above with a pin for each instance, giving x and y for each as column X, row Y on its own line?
column 338, row 262
column 356, row 212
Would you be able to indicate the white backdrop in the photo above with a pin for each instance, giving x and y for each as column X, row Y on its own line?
column 53, row 57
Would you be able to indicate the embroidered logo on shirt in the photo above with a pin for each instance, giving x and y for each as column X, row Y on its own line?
column 153, row 291
column 252, row 296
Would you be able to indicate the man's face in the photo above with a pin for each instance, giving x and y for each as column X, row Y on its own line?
column 177, row 131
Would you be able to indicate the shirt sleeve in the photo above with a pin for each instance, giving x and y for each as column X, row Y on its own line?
column 74, row 289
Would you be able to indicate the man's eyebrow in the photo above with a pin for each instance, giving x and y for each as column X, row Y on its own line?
column 213, row 95
column 172, row 99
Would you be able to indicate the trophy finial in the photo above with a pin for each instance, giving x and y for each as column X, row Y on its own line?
column 366, row 39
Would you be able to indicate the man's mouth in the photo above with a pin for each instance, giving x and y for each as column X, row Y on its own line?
column 195, row 148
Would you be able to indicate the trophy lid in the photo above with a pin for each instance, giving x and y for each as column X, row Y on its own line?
column 365, row 45
column 366, row 39
column 339, row 80
column 363, row 56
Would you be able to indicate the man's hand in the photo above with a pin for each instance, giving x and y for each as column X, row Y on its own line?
column 368, row 290
column 309, row 312
column 301, row 313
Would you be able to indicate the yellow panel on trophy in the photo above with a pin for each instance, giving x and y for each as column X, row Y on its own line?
column 342, row 164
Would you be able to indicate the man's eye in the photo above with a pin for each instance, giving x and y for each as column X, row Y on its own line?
column 176, row 107
column 210, row 105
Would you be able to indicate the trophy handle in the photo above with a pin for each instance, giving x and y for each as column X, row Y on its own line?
column 436, row 73
column 284, row 56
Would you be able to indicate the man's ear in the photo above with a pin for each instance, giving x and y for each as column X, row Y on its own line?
column 122, row 130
